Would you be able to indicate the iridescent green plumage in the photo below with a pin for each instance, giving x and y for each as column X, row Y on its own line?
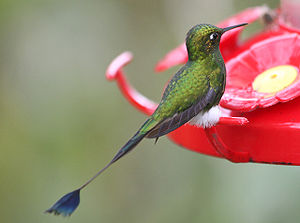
column 193, row 90
column 199, row 83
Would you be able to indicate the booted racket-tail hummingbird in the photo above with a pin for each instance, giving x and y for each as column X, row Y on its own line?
column 192, row 95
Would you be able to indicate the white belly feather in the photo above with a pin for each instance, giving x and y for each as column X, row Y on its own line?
column 207, row 119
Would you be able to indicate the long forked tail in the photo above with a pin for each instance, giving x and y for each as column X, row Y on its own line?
column 69, row 202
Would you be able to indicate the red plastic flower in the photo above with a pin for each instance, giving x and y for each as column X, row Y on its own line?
column 242, row 70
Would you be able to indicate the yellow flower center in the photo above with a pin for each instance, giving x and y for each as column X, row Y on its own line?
column 275, row 79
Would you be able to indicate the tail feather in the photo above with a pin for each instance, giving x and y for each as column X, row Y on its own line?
column 68, row 203
column 128, row 146
column 123, row 151
column 132, row 142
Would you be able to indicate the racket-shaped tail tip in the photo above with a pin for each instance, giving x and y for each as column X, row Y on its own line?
column 66, row 205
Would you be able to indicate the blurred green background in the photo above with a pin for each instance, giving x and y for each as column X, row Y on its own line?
column 61, row 121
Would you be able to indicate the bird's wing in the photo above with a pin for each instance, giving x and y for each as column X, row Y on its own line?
column 177, row 120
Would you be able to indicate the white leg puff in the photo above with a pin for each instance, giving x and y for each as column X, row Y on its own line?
column 207, row 119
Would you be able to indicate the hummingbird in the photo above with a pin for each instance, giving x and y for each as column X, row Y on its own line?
column 192, row 95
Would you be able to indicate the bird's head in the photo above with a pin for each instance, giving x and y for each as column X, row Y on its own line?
column 204, row 39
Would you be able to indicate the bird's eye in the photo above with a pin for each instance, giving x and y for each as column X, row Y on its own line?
column 213, row 36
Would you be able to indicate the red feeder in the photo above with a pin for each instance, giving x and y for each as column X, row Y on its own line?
column 261, row 118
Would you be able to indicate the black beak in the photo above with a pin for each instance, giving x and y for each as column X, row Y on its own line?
column 232, row 27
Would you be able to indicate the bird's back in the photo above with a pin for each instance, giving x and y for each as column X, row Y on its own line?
column 188, row 85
